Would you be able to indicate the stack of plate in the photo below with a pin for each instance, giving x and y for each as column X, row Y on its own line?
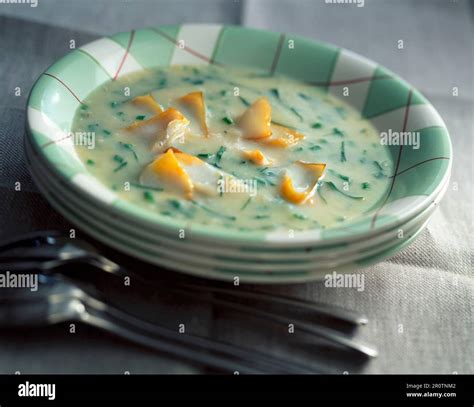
column 419, row 183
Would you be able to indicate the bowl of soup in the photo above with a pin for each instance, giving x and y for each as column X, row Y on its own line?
column 239, row 138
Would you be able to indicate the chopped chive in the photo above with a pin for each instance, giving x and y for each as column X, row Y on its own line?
column 261, row 217
column 300, row 216
column 296, row 113
column 333, row 186
column 205, row 155
column 283, row 125
column 343, row 152
column 379, row 166
column 224, row 92
column 158, row 189
column 219, row 154
column 266, row 171
column 90, row 162
column 365, row 185
column 129, row 147
column 321, row 195
column 338, row 132
column 303, row 96
column 114, row 104
column 315, row 147
column 193, row 81
column 120, row 166
column 118, row 158
column 180, row 208
column 140, row 117
column 148, row 196
column 246, row 204
column 106, row 132
column 227, row 120
column 84, row 107
column 339, row 175
column 275, row 93
column 213, row 212
column 317, row 125
column 244, row 101
column 162, row 83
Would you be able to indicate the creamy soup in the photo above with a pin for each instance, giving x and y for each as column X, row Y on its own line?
column 233, row 148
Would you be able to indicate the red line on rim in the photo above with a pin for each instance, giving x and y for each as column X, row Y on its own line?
column 405, row 121
column 127, row 51
column 67, row 87
column 186, row 48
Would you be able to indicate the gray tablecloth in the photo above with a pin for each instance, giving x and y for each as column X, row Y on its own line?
column 420, row 302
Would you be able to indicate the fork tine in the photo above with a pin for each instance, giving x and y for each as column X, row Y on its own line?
column 232, row 351
column 319, row 331
column 319, row 308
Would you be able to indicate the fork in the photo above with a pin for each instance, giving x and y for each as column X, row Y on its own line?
column 50, row 253
column 60, row 300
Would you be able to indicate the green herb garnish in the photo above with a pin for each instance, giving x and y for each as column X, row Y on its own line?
column 227, row 120
column 90, row 162
column 365, row 185
column 193, row 81
column 177, row 205
column 275, row 93
column 219, row 154
column 244, row 101
column 300, row 216
column 205, row 155
column 120, row 166
column 338, row 132
column 246, row 204
column 317, row 125
column 213, row 212
column 296, row 113
column 118, row 158
column 129, row 147
column 343, row 152
column 148, row 196
column 158, row 189
column 339, row 175
column 140, row 117
column 333, row 186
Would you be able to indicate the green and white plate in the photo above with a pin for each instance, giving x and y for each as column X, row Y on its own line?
column 381, row 97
